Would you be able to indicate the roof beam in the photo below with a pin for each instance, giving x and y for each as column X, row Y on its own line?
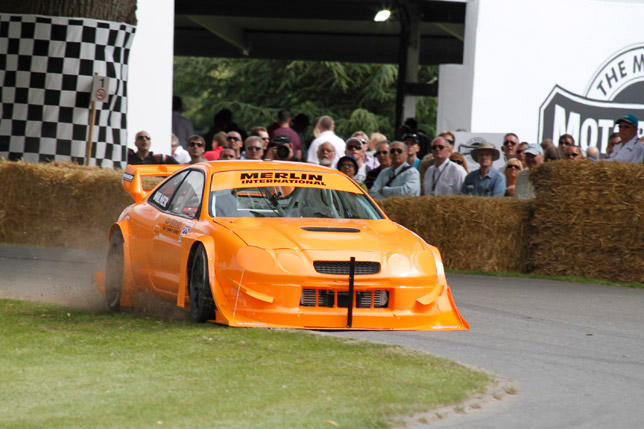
column 223, row 29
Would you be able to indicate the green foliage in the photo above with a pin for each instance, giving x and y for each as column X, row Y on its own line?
column 357, row 96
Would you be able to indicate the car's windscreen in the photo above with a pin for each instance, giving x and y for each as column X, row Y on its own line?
column 291, row 202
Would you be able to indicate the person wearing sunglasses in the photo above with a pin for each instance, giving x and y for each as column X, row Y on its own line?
column 443, row 177
column 565, row 140
column 574, row 153
column 511, row 172
column 196, row 149
column 486, row 181
column 630, row 149
column 356, row 148
column 382, row 155
column 401, row 179
column 144, row 155
column 510, row 145
column 253, row 148
column 234, row 141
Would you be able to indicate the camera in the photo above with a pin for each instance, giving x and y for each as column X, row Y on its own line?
column 280, row 142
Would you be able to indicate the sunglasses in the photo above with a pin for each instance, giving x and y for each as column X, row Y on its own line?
column 458, row 161
column 438, row 146
column 519, row 152
column 514, row 167
column 450, row 141
column 393, row 151
column 572, row 155
column 253, row 148
column 382, row 152
column 193, row 144
column 232, row 139
column 509, row 143
column 354, row 147
column 143, row 137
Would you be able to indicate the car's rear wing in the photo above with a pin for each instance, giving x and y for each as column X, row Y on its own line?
column 132, row 178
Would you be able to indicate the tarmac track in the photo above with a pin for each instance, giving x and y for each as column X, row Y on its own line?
column 574, row 352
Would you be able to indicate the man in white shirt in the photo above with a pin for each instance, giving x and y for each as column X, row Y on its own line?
column 178, row 152
column 444, row 177
column 631, row 149
column 326, row 126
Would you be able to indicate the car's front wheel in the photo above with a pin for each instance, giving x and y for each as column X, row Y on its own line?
column 114, row 272
column 202, row 305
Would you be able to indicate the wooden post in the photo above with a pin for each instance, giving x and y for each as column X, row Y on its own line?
column 90, row 138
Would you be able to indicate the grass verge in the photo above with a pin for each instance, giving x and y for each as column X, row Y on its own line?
column 574, row 279
column 63, row 368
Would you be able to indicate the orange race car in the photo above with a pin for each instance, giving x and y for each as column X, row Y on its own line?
column 273, row 244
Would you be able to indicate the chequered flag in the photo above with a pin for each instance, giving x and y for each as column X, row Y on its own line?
column 47, row 66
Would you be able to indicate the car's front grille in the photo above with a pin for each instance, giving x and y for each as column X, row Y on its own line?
column 340, row 299
column 342, row 267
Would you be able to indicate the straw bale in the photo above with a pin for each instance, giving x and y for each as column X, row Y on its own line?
column 473, row 233
column 59, row 204
column 589, row 218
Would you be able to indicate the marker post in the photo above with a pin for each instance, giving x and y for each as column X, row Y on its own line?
column 100, row 87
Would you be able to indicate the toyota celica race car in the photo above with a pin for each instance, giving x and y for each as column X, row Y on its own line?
column 273, row 244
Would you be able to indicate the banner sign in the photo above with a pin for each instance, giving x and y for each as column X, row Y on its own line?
column 590, row 118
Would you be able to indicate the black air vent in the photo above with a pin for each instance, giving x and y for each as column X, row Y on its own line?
column 342, row 267
column 328, row 229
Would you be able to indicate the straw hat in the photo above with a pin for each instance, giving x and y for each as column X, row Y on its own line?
column 485, row 146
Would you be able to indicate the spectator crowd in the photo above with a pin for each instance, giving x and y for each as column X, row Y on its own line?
column 409, row 164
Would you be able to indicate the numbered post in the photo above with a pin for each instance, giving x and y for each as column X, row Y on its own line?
column 100, row 91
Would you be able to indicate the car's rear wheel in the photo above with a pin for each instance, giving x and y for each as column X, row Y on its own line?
column 114, row 272
column 202, row 305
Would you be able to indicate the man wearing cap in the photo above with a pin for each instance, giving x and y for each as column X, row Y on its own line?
column 401, row 179
column 487, row 181
column 355, row 148
column 630, row 149
column 349, row 166
column 413, row 145
column 523, row 188
column 444, row 177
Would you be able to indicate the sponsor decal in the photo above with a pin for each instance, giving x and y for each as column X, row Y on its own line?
column 614, row 90
column 282, row 178
column 172, row 226
column 128, row 177
column 186, row 229
column 161, row 199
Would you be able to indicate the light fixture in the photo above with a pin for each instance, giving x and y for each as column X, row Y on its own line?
column 382, row 15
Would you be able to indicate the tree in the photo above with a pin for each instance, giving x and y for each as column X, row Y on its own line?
column 357, row 96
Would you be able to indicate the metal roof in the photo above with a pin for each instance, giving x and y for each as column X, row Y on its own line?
column 328, row 30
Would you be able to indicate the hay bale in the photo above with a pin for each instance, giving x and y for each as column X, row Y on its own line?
column 588, row 219
column 472, row 233
column 59, row 204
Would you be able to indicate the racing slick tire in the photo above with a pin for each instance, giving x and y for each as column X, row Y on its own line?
column 114, row 271
column 202, row 305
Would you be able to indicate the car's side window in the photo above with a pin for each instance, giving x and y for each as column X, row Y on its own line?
column 187, row 199
column 163, row 196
